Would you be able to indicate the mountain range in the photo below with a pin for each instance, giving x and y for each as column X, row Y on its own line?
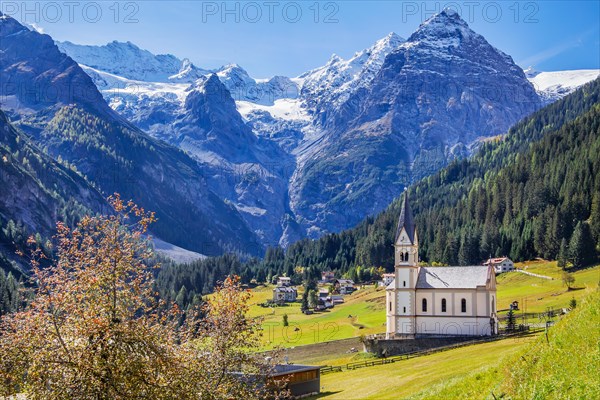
column 230, row 162
column 56, row 105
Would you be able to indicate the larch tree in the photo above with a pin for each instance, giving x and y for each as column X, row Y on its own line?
column 568, row 279
column 96, row 328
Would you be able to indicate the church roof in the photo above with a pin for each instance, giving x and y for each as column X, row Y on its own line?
column 406, row 220
column 452, row 277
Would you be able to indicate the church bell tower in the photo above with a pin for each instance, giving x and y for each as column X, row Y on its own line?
column 401, row 294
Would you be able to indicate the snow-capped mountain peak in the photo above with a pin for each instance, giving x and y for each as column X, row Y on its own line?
column 387, row 44
column 443, row 30
column 234, row 75
column 446, row 20
column 530, row 72
column 127, row 60
column 260, row 91
column 188, row 72
column 333, row 83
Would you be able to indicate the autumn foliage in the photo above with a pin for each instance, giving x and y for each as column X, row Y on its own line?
column 97, row 330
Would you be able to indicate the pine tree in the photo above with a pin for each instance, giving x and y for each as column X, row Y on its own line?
column 510, row 320
column 304, row 304
column 313, row 299
column 563, row 254
column 182, row 297
column 595, row 218
column 573, row 303
column 582, row 250
column 3, row 306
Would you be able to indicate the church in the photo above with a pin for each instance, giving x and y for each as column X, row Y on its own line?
column 436, row 301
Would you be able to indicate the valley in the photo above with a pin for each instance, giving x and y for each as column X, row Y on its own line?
column 363, row 312
column 176, row 226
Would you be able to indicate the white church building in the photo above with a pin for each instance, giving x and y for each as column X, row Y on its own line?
column 436, row 301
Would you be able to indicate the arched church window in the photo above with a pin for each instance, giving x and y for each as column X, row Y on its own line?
column 463, row 305
column 404, row 282
column 443, row 305
column 404, row 310
column 401, row 256
column 424, row 306
column 406, row 256
column 390, row 306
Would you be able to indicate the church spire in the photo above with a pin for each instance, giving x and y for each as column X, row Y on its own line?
column 406, row 220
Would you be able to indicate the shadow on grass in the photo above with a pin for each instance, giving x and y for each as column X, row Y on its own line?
column 322, row 394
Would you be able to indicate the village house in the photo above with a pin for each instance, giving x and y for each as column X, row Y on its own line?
column 344, row 286
column 337, row 299
column 284, row 281
column 502, row 264
column 300, row 380
column 436, row 301
column 327, row 276
column 324, row 298
column 284, row 294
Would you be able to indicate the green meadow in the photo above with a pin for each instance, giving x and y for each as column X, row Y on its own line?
column 362, row 313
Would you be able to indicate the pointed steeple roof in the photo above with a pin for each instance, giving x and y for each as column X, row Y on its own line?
column 406, row 220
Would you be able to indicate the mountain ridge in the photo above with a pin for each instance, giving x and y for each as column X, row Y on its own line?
column 78, row 126
column 330, row 146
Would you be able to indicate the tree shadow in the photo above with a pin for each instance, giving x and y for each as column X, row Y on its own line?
column 323, row 394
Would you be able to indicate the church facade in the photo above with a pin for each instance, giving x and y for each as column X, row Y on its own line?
column 436, row 301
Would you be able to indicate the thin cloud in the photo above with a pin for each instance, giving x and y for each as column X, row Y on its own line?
column 556, row 50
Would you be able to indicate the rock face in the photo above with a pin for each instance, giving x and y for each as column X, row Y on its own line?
column 327, row 88
column 48, row 95
column 35, row 75
column 303, row 156
column 249, row 172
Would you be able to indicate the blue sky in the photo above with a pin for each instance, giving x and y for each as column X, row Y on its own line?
column 289, row 37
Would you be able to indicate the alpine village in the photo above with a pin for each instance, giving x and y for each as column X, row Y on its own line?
column 416, row 220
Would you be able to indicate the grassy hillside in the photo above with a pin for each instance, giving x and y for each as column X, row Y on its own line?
column 535, row 295
column 518, row 368
column 400, row 380
column 564, row 367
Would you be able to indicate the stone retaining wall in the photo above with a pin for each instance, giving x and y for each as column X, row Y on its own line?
column 394, row 347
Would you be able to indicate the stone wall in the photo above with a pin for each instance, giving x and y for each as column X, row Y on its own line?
column 394, row 347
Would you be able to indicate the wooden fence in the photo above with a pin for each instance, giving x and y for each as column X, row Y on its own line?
column 390, row 360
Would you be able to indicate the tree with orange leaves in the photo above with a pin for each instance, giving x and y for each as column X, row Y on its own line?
column 97, row 330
